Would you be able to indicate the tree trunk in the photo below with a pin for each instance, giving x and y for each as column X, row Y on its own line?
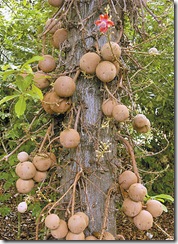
column 98, row 174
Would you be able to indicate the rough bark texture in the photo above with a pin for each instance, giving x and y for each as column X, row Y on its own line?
column 97, row 176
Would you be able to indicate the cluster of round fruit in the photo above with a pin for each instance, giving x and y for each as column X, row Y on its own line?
column 106, row 66
column 58, row 100
column 111, row 108
column 73, row 229
column 133, row 205
column 31, row 172
column 59, row 34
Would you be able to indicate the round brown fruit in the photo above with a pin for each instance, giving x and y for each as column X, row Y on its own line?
column 141, row 123
column 59, row 37
column 24, row 186
column 144, row 220
column 42, row 161
column 25, row 170
column 154, row 207
column 52, row 221
column 120, row 113
column 126, row 179
column 117, row 65
column 108, row 236
column 107, row 106
column 84, row 216
column 61, row 230
column 47, row 101
column 40, row 176
column 48, row 64
column 91, row 238
column 88, row 62
column 131, row 208
column 106, row 71
column 40, row 80
column 56, row 3
column 22, row 156
column 64, row 86
column 76, row 224
column 52, row 25
column 72, row 236
column 137, row 192
column 110, row 51
column 53, row 158
column 59, row 105
column 69, row 138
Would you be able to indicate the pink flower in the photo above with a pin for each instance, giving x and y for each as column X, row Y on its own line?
column 104, row 22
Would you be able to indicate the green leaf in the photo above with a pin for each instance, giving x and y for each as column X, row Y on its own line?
column 37, row 92
column 5, row 67
column 32, row 60
column 20, row 106
column 164, row 208
column 165, row 196
column 8, row 98
column 24, row 83
column 19, row 82
column 7, row 73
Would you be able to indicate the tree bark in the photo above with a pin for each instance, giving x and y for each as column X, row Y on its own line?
column 95, row 191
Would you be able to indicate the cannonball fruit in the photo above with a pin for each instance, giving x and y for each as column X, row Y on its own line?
column 89, row 62
column 106, row 71
column 52, row 221
column 22, row 156
column 40, row 79
column 53, row 25
column 22, row 207
column 120, row 113
column 117, row 65
column 59, row 37
column 137, row 192
column 42, row 161
column 71, row 236
column 59, row 105
column 110, row 51
column 64, row 86
column 91, row 238
column 46, row 102
column 154, row 207
column 107, row 106
column 84, row 216
column 144, row 220
column 108, row 236
column 130, row 207
column 61, row 230
column 56, row 3
column 127, row 178
column 48, row 64
column 25, row 170
column 76, row 224
column 40, row 176
column 53, row 158
column 69, row 138
column 141, row 123
column 24, row 186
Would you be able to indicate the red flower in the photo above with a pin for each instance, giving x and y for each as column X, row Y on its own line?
column 104, row 22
